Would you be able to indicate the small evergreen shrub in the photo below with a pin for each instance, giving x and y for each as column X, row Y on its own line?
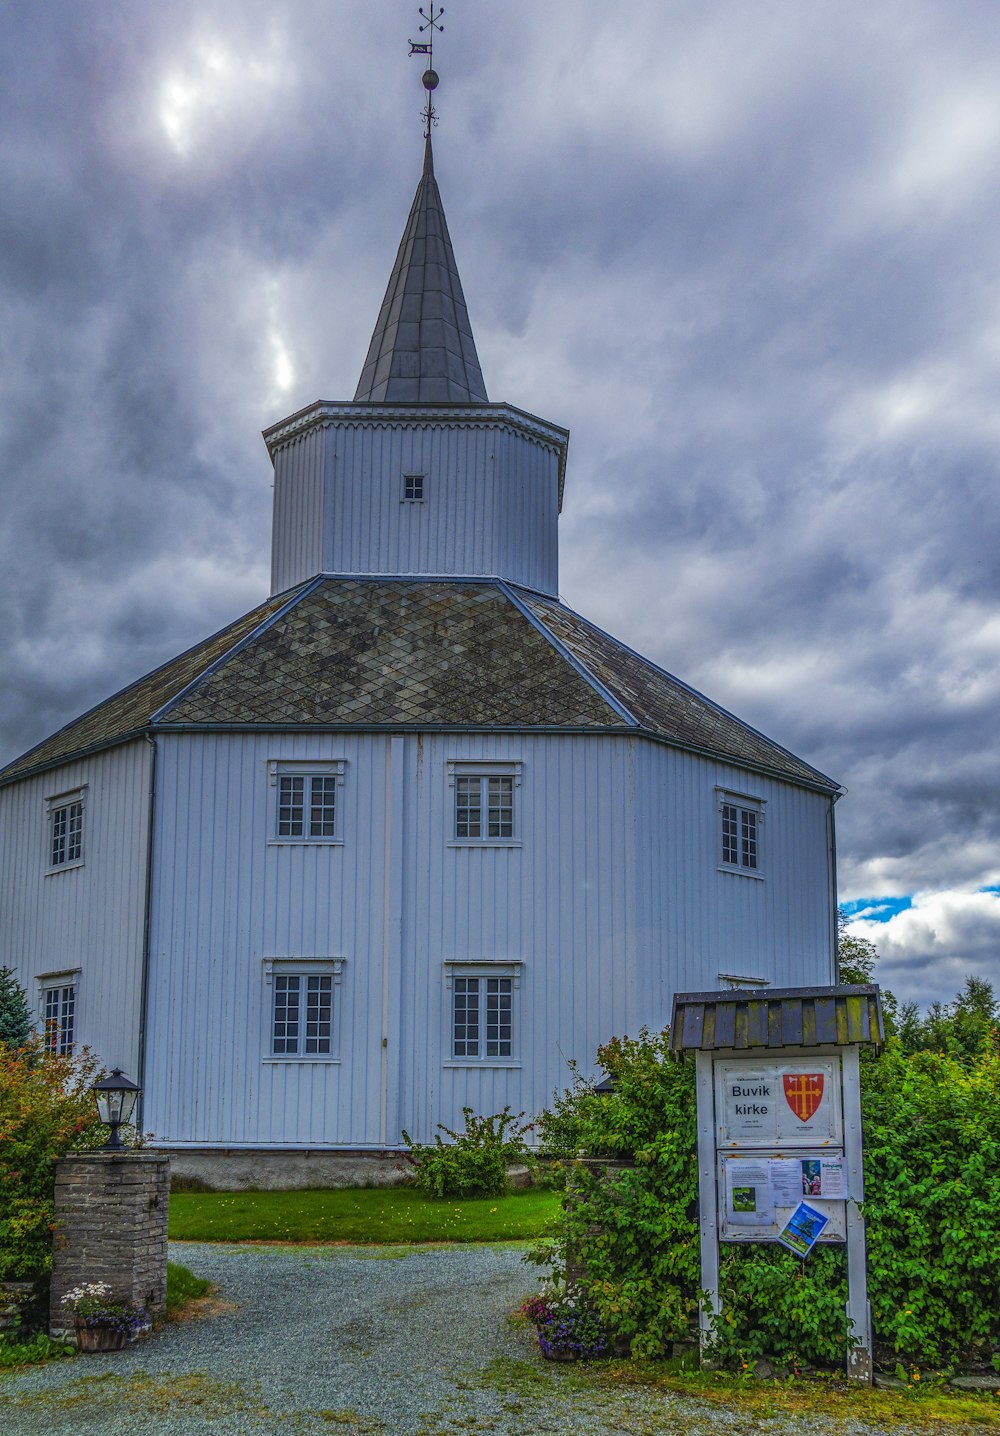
column 474, row 1162
column 15, row 1016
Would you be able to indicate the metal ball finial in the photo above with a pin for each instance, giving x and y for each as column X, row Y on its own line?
column 430, row 79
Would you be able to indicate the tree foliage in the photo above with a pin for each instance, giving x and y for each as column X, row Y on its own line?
column 46, row 1110
column 15, row 1015
column 630, row 1238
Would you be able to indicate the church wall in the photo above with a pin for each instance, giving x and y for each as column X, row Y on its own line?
column 83, row 921
column 610, row 899
column 490, row 505
column 707, row 920
column 297, row 549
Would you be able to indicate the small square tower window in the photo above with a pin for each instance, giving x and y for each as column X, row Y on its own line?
column 413, row 488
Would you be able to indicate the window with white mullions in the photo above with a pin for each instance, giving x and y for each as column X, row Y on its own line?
column 482, row 1017
column 307, row 807
column 302, row 1015
column 65, row 833
column 741, row 823
column 466, row 1017
column 286, row 1014
column 468, row 808
column 499, row 1027
column 60, row 1019
column 489, row 795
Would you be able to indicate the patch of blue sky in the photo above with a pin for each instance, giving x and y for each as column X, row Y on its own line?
column 993, row 888
column 877, row 909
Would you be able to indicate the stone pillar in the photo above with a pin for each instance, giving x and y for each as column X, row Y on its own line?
column 111, row 1225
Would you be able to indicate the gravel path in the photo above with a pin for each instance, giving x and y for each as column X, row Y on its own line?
column 410, row 1341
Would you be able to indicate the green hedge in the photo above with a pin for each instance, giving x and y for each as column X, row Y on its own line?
column 932, row 1134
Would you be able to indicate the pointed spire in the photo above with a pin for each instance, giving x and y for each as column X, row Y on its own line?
column 422, row 349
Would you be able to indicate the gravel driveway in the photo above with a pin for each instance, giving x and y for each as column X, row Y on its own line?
column 412, row 1341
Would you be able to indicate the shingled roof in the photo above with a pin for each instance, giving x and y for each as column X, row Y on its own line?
column 422, row 349
column 422, row 654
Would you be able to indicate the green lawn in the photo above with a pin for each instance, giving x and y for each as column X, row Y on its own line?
column 386, row 1214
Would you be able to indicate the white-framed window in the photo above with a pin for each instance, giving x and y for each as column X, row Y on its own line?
column 413, row 488
column 307, row 801
column 65, row 831
column 741, row 823
column 303, row 1008
column 57, row 1008
column 482, row 1012
column 484, row 803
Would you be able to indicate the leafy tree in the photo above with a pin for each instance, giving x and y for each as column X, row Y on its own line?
column 966, row 1028
column 46, row 1110
column 856, row 956
column 15, row 1016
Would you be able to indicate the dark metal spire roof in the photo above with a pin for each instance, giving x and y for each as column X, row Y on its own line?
column 422, row 350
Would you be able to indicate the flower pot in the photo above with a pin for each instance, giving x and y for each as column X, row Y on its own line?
column 558, row 1353
column 98, row 1338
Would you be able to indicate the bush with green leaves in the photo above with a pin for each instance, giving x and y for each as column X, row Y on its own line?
column 932, row 1209
column 46, row 1110
column 474, row 1162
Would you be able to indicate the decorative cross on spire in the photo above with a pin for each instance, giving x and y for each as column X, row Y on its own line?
column 432, row 21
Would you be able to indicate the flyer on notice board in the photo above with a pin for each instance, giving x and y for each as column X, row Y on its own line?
column 748, row 1192
column 802, row 1230
column 793, row 1178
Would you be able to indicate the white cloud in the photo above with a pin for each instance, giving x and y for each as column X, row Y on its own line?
column 928, row 949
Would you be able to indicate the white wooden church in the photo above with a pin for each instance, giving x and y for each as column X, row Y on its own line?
column 412, row 834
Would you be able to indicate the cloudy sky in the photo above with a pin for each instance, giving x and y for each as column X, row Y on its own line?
column 746, row 252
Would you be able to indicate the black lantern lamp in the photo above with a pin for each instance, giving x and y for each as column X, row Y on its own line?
column 116, row 1097
column 607, row 1088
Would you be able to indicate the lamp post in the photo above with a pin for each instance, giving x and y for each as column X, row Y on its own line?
column 116, row 1097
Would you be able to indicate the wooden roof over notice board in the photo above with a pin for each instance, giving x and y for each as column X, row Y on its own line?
column 774, row 1018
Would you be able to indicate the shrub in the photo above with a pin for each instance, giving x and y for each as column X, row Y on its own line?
column 46, row 1110
column 633, row 1236
column 932, row 1187
column 932, row 1210
column 474, row 1163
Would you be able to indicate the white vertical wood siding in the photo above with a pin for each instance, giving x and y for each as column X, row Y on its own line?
column 491, row 504
column 612, row 900
column 89, row 917
column 299, row 498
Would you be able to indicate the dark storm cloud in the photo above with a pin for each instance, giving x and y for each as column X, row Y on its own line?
column 747, row 254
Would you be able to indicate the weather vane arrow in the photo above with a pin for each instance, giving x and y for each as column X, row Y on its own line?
column 432, row 22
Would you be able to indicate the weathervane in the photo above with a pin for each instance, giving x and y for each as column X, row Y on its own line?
column 432, row 21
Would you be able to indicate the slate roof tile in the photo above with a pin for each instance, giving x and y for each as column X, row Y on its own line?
column 128, row 711
column 376, row 653
column 663, row 704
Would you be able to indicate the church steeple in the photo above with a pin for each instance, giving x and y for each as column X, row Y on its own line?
column 419, row 473
column 422, row 350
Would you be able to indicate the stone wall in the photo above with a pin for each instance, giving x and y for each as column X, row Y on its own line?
column 111, row 1226
column 231, row 1169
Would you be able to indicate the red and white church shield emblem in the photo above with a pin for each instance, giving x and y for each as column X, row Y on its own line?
column 803, row 1092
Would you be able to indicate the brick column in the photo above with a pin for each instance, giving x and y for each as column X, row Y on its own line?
column 111, row 1225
